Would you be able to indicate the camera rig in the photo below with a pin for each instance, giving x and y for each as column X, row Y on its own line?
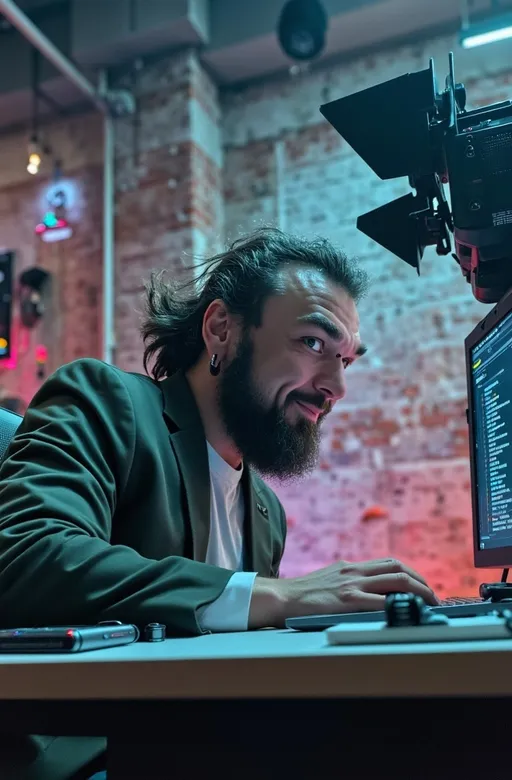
column 405, row 127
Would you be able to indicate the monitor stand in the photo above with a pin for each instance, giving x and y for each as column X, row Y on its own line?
column 497, row 591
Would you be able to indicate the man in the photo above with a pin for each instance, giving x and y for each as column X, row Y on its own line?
column 140, row 495
column 136, row 498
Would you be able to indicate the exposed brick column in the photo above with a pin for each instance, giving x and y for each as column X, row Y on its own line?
column 168, row 183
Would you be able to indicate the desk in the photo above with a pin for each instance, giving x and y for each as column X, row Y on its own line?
column 274, row 703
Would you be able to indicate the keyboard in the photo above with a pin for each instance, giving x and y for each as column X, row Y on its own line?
column 454, row 607
column 455, row 600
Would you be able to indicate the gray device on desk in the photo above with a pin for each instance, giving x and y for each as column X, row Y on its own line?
column 67, row 639
column 489, row 415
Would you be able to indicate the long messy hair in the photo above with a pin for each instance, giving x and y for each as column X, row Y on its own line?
column 243, row 277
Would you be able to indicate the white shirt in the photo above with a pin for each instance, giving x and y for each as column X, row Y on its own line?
column 230, row 611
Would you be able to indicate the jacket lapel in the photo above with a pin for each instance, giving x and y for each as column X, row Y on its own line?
column 190, row 449
column 188, row 441
column 258, row 540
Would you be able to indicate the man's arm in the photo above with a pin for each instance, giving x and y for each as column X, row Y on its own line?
column 230, row 612
column 66, row 468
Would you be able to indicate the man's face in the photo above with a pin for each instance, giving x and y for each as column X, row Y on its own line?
column 287, row 374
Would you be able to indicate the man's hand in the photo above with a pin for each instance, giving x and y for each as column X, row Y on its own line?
column 341, row 587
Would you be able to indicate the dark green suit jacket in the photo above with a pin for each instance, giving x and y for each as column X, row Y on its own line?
column 105, row 506
column 105, row 514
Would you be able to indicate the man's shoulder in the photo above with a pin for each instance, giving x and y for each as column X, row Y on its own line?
column 102, row 381
column 98, row 372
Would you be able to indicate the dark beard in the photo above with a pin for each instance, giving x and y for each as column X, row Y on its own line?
column 261, row 433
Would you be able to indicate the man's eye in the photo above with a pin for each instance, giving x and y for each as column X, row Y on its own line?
column 316, row 345
column 347, row 362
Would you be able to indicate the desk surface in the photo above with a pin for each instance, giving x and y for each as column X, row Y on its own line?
column 260, row 664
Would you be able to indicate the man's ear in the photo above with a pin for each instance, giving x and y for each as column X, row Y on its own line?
column 220, row 329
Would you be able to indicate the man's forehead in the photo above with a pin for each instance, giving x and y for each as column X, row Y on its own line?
column 301, row 280
column 311, row 284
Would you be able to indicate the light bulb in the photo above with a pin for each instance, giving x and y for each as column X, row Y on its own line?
column 35, row 159
column 33, row 168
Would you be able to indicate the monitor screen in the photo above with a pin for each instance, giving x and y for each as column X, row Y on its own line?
column 491, row 380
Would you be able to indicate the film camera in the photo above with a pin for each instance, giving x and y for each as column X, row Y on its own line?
column 405, row 127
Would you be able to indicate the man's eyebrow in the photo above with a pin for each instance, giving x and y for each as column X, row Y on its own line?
column 324, row 323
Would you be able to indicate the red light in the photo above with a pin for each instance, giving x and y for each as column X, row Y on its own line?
column 41, row 354
column 70, row 632
column 48, row 226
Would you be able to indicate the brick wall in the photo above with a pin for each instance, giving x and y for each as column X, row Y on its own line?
column 72, row 325
column 394, row 476
column 169, row 210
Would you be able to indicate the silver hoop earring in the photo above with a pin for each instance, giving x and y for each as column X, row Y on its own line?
column 214, row 366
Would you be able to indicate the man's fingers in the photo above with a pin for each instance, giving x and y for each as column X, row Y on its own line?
column 397, row 583
column 388, row 566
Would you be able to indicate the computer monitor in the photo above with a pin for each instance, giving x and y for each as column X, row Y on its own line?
column 489, row 375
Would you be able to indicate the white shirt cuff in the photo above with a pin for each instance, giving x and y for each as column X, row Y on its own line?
column 230, row 611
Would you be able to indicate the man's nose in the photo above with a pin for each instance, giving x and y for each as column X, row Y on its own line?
column 332, row 384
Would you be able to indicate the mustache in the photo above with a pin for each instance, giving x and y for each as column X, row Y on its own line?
column 317, row 400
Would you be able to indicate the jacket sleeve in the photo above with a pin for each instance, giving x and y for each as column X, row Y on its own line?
column 67, row 464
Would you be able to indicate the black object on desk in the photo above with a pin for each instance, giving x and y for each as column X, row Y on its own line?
column 496, row 591
column 407, row 609
column 155, row 632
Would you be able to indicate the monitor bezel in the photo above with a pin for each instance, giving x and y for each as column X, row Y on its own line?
column 500, row 557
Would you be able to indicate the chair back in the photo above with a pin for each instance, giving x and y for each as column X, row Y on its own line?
column 9, row 424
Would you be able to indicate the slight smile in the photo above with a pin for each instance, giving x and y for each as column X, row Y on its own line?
column 311, row 412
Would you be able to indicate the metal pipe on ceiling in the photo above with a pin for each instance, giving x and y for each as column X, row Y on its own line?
column 38, row 39
column 40, row 42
